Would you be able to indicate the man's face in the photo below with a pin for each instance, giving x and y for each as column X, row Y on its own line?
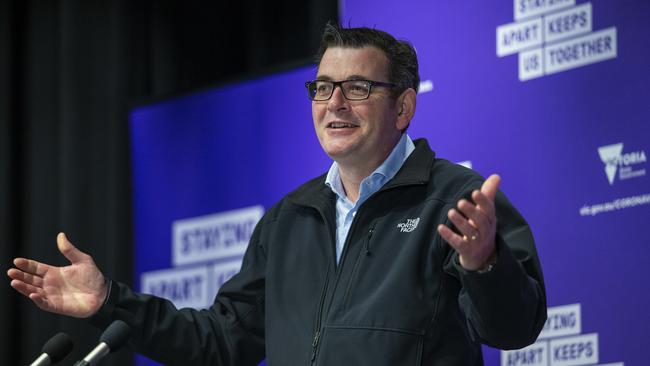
column 356, row 132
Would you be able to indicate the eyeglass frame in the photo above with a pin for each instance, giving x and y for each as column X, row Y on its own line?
column 371, row 84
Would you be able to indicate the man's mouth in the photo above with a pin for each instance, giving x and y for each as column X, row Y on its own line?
column 341, row 125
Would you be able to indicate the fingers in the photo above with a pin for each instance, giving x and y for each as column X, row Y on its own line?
column 68, row 250
column 34, row 293
column 482, row 213
column 31, row 266
column 478, row 217
column 27, row 284
column 490, row 186
column 27, row 278
column 483, row 203
column 24, row 288
column 463, row 225
column 475, row 223
column 455, row 240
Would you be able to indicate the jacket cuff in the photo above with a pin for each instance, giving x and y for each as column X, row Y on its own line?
column 102, row 317
column 503, row 258
column 506, row 268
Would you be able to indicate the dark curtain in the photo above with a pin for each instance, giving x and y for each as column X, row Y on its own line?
column 69, row 72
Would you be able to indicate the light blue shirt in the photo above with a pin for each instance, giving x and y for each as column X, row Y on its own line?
column 346, row 209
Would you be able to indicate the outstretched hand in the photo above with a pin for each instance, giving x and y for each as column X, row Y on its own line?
column 77, row 290
column 477, row 224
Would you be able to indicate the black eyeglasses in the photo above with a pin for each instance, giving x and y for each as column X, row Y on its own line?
column 320, row 90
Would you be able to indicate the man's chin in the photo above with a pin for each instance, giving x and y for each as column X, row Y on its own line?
column 338, row 153
column 343, row 156
column 339, row 146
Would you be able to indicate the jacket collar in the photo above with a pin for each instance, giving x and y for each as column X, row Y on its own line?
column 415, row 171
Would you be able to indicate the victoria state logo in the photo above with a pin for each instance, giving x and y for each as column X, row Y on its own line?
column 409, row 225
column 623, row 163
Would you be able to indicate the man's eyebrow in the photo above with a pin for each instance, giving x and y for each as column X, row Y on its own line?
column 357, row 77
column 351, row 77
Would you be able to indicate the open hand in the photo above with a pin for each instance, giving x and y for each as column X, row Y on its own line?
column 77, row 290
column 477, row 226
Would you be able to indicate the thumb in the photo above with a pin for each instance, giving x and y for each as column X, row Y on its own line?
column 490, row 186
column 68, row 250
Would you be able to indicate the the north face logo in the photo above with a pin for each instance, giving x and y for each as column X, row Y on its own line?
column 409, row 225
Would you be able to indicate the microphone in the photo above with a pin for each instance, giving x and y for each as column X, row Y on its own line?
column 111, row 340
column 54, row 350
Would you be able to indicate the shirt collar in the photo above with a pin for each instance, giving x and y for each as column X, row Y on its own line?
column 385, row 172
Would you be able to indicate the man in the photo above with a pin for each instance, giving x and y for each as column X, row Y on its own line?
column 394, row 257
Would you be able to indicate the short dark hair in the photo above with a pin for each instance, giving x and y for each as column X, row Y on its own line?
column 402, row 59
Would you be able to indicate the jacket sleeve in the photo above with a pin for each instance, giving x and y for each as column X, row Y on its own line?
column 230, row 332
column 506, row 306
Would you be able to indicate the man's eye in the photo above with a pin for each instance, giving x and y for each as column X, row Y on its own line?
column 358, row 89
column 323, row 88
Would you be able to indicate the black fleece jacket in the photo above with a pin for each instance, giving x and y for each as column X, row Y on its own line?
column 397, row 297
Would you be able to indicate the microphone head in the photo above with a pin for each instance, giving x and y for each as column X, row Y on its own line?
column 116, row 335
column 58, row 347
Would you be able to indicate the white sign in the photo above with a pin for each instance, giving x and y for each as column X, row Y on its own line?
column 568, row 23
column 589, row 49
column 553, row 347
column 562, row 321
column 185, row 287
column 514, row 37
column 573, row 351
column 530, row 8
column 531, row 64
column 206, row 238
column 551, row 36
column 534, row 355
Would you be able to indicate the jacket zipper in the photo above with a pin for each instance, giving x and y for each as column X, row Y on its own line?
column 317, row 332
column 314, row 346
column 323, row 295
column 365, row 250
column 321, row 306
column 367, row 246
column 316, row 339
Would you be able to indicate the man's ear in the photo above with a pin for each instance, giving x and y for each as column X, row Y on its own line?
column 405, row 108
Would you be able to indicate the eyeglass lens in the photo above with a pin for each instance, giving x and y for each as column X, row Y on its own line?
column 352, row 89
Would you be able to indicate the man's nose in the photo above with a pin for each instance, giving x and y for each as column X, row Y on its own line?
column 337, row 101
